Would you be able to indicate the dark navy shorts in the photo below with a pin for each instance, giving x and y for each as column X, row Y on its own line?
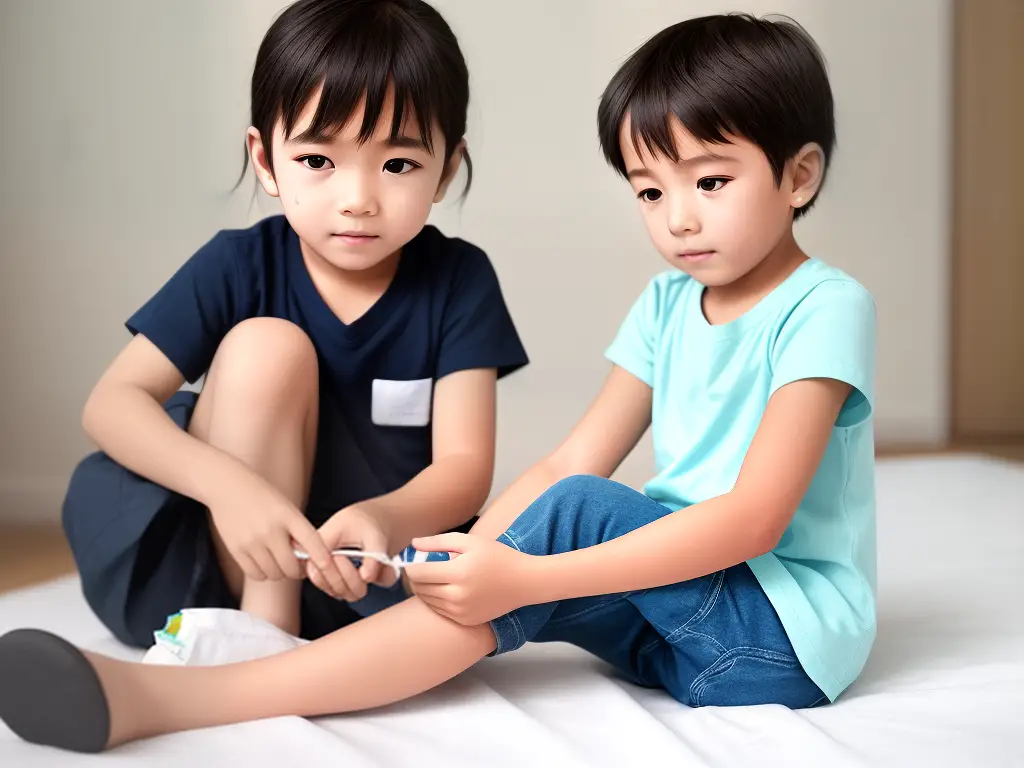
column 144, row 552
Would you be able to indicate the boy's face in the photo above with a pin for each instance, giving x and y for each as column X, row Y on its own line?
column 717, row 213
column 354, row 204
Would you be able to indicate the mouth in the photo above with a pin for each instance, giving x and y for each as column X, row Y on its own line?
column 694, row 255
column 354, row 237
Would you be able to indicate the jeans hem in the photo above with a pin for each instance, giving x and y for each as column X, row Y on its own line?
column 508, row 634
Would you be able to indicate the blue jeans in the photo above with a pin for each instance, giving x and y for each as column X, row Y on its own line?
column 711, row 641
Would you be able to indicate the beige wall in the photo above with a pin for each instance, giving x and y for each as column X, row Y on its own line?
column 122, row 123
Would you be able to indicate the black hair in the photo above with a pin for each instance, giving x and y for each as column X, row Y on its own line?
column 764, row 81
column 355, row 49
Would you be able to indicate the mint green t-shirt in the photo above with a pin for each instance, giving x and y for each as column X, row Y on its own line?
column 711, row 384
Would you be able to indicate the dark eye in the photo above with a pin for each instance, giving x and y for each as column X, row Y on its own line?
column 650, row 195
column 711, row 184
column 315, row 162
column 398, row 166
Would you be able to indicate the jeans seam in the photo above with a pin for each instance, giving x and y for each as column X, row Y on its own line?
column 512, row 540
column 617, row 599
column 700, row 684
column 710, row 601
column 516, row 538
column 520, row 635
column 764, row 654
column 691, row 633
column 727, row 660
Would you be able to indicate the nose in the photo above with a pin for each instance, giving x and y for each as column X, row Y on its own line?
column 357, row 195
column 682, row 217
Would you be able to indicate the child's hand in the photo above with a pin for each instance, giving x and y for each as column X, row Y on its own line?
column 482, row 581
column 354, row 527
column 260, row 529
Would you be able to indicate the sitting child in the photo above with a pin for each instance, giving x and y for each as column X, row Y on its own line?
column 350, row 351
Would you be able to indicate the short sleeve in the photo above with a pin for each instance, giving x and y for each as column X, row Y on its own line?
column 831, row 334
column 194, row 310
column 633, row 347
column 477, row 330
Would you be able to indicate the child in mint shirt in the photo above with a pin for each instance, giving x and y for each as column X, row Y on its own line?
column 744, row 572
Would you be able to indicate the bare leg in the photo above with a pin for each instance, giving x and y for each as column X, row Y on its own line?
column 260, row 404
column 384, row 658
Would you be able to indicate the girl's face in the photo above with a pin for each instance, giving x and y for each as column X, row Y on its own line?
column 354, row 205
column 717, row 213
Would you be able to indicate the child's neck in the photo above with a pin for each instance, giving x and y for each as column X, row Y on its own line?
column 725, row 303
column 349, row 293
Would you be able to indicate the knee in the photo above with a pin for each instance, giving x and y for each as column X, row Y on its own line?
column 578, row 486
column 266, row 359
column 561, row 506
column 581, row 511
column 569, row 494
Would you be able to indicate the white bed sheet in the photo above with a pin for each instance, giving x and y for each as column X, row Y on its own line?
column 944, row 686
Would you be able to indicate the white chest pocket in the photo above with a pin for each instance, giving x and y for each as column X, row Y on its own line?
column 401, row 403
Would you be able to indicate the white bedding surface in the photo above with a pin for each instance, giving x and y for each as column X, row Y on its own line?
column 943, row 687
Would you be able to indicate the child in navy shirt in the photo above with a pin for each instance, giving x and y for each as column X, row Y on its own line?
column 350, row 351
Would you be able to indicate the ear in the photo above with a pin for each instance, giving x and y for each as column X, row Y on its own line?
column 808, row 170
column 260, row 162
column 450, row 170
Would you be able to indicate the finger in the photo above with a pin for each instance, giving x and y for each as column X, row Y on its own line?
column 439, row 606
column 370, row 570
column 308, row 539
column 445, row 542
column 373, row 541
column 388, row 577
column 272, row 569
column 265, row 562
column 248, row 566
column 434, row 592
column 430, row 573
column 284, row 557
column 321, row 582
column 318, row 580
column 353, row 587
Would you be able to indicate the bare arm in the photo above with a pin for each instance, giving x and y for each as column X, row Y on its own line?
column 608, row 431
column 124, row 415
column 455, row 485
column 742, row 524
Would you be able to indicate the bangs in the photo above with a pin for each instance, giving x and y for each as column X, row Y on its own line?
column 351, row 68
column 397, row 60
column 660, row 98
column 721, row 76
column 357, row 52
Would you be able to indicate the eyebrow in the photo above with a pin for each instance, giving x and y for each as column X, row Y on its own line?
column 406, row 142
column 638, row 173
column 398, row 142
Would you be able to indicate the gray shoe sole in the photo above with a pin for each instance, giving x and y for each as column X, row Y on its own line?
column 50, row 693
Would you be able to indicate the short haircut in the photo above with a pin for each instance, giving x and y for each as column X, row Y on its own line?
column 764, row 81
column 360, row 48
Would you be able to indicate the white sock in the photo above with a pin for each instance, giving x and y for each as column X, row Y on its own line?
column 211, row 636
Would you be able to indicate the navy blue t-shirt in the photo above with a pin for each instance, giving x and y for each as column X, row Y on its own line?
column 443, row 312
